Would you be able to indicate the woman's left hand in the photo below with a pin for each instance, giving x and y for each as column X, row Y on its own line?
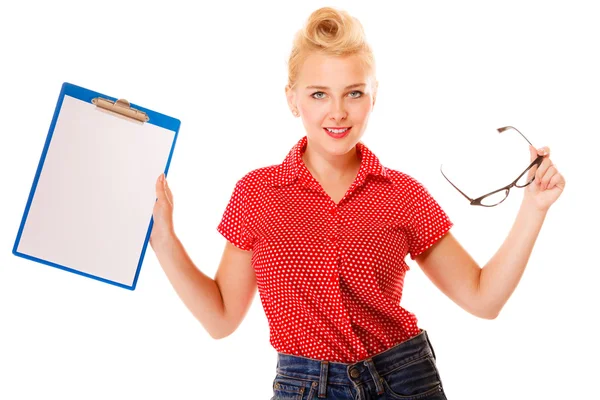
column 549, row 183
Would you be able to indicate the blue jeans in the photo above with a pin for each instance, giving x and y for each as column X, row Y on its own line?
column 406, row 371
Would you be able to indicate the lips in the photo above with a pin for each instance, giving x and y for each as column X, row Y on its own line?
column 338, row 135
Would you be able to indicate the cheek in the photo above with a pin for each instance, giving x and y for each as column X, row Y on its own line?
column 360, row 112
column 311, row 112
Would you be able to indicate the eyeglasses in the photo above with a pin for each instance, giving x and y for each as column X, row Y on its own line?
column 498, row 196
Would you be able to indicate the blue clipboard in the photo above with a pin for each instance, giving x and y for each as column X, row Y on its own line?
column 90, row 207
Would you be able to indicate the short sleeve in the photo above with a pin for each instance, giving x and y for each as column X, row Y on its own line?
column 234, row 223
column 427, row 220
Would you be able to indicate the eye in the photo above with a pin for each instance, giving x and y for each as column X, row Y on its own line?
column 358, row 92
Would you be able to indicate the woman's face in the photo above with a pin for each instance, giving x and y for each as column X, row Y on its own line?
column 333, row 92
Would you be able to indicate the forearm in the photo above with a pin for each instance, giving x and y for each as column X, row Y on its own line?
column 199, row 293
column 500, row 276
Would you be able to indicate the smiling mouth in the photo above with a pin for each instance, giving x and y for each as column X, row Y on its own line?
column 338, row 130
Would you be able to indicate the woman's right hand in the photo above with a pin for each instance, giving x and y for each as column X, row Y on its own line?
column 162, row 230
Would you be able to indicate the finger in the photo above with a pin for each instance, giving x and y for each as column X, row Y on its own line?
column 556, row 178
column 531, row 172
column 533, row 153
column 550, row 172
column 159, row 186
column 544, row 151
column 168, row 192
column 541, row 171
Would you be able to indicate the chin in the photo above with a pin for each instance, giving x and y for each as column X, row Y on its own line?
column 336, row 146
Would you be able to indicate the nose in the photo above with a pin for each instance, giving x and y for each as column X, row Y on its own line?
column 338, row 111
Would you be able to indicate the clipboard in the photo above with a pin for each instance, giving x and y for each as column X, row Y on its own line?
column 90, row 207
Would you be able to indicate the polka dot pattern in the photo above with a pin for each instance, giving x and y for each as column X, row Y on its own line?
column 330, row 276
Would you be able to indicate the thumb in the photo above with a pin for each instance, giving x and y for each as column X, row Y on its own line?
column 533, row 153
column 160, row 186
column 163, row 191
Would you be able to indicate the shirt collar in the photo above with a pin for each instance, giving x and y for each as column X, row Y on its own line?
column 293, row 166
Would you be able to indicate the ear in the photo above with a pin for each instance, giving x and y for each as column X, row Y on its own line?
column 375, row 86
column 290, row 94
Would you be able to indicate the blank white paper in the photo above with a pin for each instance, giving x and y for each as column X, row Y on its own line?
column 93, row 202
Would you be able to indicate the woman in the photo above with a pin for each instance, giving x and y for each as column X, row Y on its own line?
column 324, row 235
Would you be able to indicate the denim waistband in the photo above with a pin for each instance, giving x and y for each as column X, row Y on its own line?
column 360, row 372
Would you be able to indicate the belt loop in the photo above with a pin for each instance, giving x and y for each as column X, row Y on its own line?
column 375, row 375
column 323, row 379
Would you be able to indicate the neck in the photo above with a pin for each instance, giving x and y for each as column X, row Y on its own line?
column 327, row 167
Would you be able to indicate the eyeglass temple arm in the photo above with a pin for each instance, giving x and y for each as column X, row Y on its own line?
column 461, row 192
column 504, row 128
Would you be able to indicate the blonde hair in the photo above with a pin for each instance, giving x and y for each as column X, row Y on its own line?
column 333, row 32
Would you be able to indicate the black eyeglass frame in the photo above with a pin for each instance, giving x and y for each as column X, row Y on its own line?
column 477, row 201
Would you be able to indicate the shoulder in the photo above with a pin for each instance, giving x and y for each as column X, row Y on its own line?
column 258, row 177
column 413, row 198
column 256, row 183
column 403, row 182
column 409, row 193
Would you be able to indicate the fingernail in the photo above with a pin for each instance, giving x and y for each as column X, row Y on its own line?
column 162, row 177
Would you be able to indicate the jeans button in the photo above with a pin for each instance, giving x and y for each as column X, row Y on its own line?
column 354, row 373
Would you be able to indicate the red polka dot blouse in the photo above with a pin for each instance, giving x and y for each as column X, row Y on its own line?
column 330, row 276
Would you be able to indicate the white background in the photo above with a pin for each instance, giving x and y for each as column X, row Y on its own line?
column 446, row 71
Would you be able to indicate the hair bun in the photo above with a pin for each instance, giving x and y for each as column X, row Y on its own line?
column 329, row 31
column 334, row 30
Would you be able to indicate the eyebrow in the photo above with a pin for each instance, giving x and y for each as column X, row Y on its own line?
column 326, row 88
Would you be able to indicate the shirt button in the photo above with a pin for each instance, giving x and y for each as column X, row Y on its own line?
column 354, row 373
